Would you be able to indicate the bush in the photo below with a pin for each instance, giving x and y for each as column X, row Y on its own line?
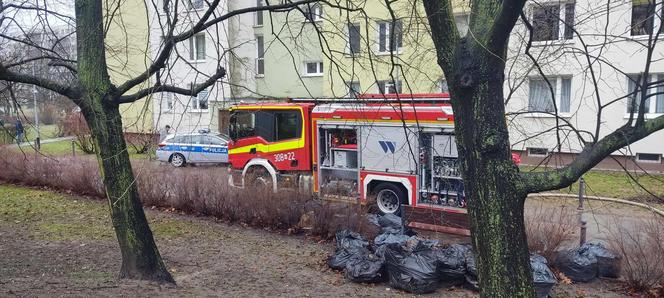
column 74, row 125
column 142, row 143
column 49, row 113
column 548, row 229
column 194, row 190
column 642, row 250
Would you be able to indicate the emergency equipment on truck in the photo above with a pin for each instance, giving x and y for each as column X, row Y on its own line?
column 394, row 148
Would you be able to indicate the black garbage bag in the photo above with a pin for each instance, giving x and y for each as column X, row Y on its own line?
column 543, row 277
column 608, row 262
column 452, row 267
column 538, row 258
column 365, row 269
column 348, row 239
column 390, row 221
column 579, row 264
column 471, row 272
column 373, row 218
column 414, row 272
column 388, row 238
column 341, row 256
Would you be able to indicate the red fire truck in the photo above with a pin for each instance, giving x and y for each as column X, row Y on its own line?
column 396, row 148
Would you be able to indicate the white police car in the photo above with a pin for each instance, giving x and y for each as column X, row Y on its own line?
column 181, row 149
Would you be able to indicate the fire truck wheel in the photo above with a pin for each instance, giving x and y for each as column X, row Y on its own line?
column 389, row 198
column 177, row 160
column 259, row 177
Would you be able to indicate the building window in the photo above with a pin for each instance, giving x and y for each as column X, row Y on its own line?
column 649, row 157
column 258, row 16
column 354, row 36
column 354, row 90
column 389, row 87
column 197, row 47
column 643, row 17
column 313, row 12
column 634, row 91
column 538, row 152
column 313, row 68
column 200, row 101
column 549, row 20
column 166, row 101
column 541, row 99
column 443, row 87
column 260, row 55
column 385, row 30
column 196, row 4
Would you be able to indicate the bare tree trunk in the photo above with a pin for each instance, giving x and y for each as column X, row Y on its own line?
column 495, row 201
column 99, row 104
column 140, row 257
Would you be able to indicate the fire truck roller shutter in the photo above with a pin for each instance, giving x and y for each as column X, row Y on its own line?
column 260, row 163
column 389, row 149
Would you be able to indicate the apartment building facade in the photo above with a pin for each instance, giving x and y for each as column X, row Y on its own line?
column 127, row 41
column 592, row 60
column 323, row 52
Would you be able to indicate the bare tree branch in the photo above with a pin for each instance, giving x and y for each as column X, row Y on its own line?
column 68, row 91
column 591, row 155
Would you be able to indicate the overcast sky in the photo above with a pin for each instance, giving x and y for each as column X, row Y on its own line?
column 31, row 20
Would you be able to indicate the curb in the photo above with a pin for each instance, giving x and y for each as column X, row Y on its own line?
column 605, row 199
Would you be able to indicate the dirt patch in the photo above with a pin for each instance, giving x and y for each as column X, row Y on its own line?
column 67, row 251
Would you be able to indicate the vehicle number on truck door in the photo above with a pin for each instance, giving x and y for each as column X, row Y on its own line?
column 284, row 156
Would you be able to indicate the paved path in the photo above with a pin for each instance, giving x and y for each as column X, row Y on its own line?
column 46, row 141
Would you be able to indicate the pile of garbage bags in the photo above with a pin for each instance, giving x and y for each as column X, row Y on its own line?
column 414, row 264
column 587, row 262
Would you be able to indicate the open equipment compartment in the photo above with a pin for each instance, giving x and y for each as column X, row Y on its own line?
column 338, row 171
column 440, row 176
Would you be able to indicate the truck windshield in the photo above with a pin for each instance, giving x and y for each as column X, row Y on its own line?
column 270, row 125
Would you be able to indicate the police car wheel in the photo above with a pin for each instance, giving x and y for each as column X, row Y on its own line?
column 389, row 198
column 177, row 160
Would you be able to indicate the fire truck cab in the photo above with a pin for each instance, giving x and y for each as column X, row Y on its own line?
column 398, row 149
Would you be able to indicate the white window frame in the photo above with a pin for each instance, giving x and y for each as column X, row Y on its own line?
column 166, row 101
column 652, row 101
column 259, row 3
column 319, row 69
column 561, row 19
column 638, row 154
column 260, row 57
column 350, row 90
column 397, row 84
column 348, row 41
column 318, row 12
column 558, row 81
column 388, row 36
column 192, row 7
column 195, row 101
column 529, row 153
column 193, row 48
column 656, row 19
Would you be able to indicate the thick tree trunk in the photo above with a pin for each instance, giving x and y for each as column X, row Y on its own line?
column 495, row 201
column 140, row 257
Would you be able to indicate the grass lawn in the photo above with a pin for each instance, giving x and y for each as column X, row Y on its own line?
column 57, row 217
column 63, row 148
column 618, row 184
column 46, row 131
